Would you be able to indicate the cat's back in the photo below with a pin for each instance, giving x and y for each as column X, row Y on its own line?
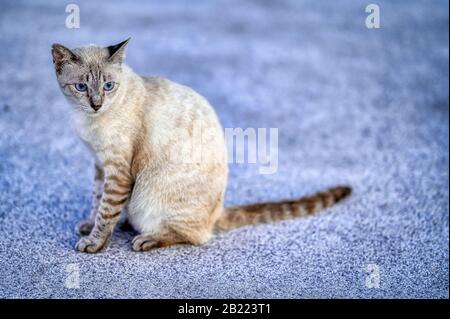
column 169, row 91
column 160, row 87
column 175, row 114
column 156, row 84
column 178, row 100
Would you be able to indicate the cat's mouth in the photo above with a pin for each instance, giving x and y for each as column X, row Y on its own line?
column 90, row 110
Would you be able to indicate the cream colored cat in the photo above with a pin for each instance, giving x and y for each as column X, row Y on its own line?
column 138, row 130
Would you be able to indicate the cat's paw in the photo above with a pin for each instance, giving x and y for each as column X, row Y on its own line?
column 89, row 245
column 143, row 243
column 84, row 227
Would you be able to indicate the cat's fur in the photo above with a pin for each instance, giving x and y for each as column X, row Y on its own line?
column 136, row 133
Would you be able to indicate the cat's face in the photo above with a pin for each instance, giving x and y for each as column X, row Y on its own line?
column 89, row 77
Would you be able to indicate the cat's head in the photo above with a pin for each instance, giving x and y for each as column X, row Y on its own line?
column 89, row 76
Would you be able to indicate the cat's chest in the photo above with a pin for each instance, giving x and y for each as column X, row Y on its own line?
column 100, row 140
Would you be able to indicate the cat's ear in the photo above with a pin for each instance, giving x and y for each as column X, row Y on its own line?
column 117, row 52
column 62, row 55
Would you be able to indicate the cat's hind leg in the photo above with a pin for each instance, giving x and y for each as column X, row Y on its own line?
column 173, row 235
column 147, row 241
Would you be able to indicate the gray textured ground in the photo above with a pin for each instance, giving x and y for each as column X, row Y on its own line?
column 353, row 105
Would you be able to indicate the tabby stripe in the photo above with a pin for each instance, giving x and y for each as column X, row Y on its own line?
column 111, row 191
column 119, row 181
column 118, row 162
column 126, row 188
column 110, row 216
column 113, row 202
column 106, row 208
column 119, row 169
column 123, row 171
column 115, row 198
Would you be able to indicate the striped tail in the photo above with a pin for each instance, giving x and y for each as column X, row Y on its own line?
column 275, row 211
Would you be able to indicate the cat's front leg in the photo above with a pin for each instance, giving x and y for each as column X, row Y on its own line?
column 116, row 192
column 85, row 226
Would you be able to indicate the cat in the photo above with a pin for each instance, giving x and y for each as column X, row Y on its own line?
column 136, row 129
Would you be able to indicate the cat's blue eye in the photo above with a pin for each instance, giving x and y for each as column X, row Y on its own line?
column 81, row 87
column 108, row 86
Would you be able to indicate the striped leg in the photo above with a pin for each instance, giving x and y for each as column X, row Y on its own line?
column 85, row 226
column 115, row 194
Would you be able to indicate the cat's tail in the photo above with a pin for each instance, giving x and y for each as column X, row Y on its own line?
column 275, row 211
